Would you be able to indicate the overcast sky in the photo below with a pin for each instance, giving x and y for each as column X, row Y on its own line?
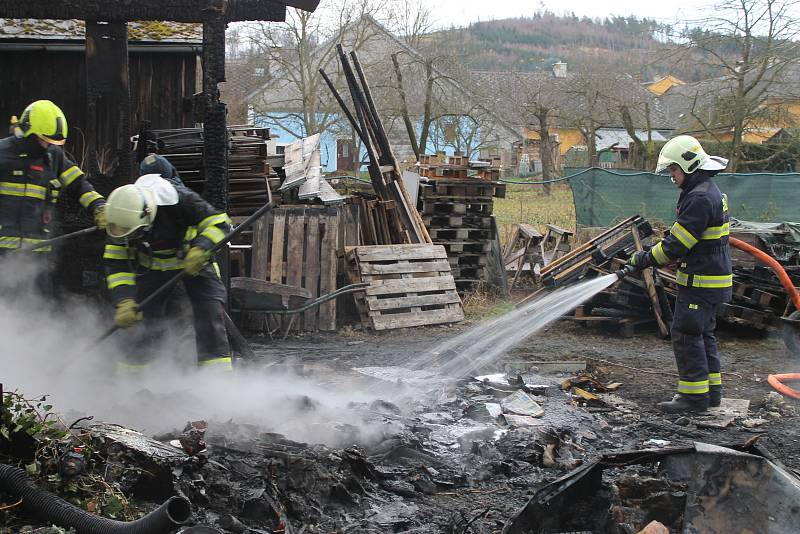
column 462, row 12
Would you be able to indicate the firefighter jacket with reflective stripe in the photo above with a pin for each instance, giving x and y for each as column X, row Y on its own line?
column 699, row 242
column 31, row 179
column 191, row 222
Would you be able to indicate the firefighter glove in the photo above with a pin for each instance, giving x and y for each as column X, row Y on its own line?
column 127, row 313
column 195, row 260
column 640, row 260
column 100, row 219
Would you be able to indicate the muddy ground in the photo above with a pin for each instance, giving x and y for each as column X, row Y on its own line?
column 428, row 457
column 478, row 485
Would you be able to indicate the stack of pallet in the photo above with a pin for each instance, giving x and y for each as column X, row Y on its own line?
column 410, row 285
column 458, row 214
column 626, row 305
column 249, row 173
column 439, row 166
column 457, row 167
column 759, row 300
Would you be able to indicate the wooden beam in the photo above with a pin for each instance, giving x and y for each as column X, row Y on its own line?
column 647, row 275
column 215, row 132
column 172, row 10
column 108, row 125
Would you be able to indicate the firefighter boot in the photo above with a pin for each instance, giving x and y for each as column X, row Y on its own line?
column 714, row 396
column 685, row 403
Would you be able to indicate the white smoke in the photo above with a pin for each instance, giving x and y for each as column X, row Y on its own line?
column 48, row 346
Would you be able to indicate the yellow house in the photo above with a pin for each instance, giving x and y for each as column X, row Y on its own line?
column 664, row 84
column 567, row 137
column 785, row 114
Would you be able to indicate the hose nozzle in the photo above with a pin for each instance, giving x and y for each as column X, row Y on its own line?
column 625, row 271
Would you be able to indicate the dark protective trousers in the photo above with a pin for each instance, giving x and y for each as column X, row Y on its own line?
column 695, row 346
column 207, row 296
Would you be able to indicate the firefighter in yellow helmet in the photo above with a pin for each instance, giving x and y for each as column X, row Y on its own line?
column 155, row 229
column 34, row 172
column 698, row 242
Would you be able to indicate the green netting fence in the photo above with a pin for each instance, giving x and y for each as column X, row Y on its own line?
column 604, row 197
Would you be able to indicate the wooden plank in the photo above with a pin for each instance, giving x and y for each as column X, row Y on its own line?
column 295, row 247
column 312, row 266
column 376, row 304
column 400, row 252
column 405, row 267
column 405, row 320
column 276, row 271
column 410, row 285
column 647, row 275
column 327, row 283
column 260, row 250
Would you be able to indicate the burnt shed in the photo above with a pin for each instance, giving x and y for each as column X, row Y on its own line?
column 109, row 76
column 46, row 58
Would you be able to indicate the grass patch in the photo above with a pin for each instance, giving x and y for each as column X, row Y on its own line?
column 527, row 204
column 485, row 303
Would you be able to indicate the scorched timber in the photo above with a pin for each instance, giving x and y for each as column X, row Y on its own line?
column 174, row 10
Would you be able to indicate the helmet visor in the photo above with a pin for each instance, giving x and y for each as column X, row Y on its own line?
column 52, row 139
column 114, row 230
column 663, row 164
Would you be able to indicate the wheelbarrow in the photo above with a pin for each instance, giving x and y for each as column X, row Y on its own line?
column 790, row 319
column 253, row 295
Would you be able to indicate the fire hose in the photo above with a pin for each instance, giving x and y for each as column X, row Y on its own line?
column 56, row 240
column 50, row 508
column 791, row 327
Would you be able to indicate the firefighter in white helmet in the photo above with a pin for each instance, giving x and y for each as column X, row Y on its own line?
column 156, row 228
column 698, row 242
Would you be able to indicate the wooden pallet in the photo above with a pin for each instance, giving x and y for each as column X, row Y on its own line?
column 623, row 326
column 467, row 221
column 469, row 247
column 465, row 189
column 297, row 246
column 740, row 315
column 410, row 285
column 749, row 294
column 457, row 206
column 467, row 272
column 466, row 259
column 447, row 171
column 460, row 234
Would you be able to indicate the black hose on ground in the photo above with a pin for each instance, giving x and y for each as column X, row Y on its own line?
column 52, row 509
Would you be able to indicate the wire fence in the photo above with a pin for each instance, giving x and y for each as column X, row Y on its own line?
column 603, row 197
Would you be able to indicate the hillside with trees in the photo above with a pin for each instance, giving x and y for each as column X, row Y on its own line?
column 639, row 47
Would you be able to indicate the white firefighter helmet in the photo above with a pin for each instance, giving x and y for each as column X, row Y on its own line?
column 130, row 208
column 686, row 152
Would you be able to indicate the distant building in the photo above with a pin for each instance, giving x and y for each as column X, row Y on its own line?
column 664, row 84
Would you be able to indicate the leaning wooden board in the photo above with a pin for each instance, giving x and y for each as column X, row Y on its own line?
column 297, row 246
column 410, row 285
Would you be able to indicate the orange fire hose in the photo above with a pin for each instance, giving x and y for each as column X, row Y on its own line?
column 776, row 381
column 777, row 267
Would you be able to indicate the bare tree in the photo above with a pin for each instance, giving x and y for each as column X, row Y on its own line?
column 540, row 100
column 295, row 97
column 591, row 106
column 753, row 43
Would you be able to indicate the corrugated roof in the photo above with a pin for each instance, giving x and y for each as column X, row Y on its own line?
column 607, row 137
column 75, row 30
